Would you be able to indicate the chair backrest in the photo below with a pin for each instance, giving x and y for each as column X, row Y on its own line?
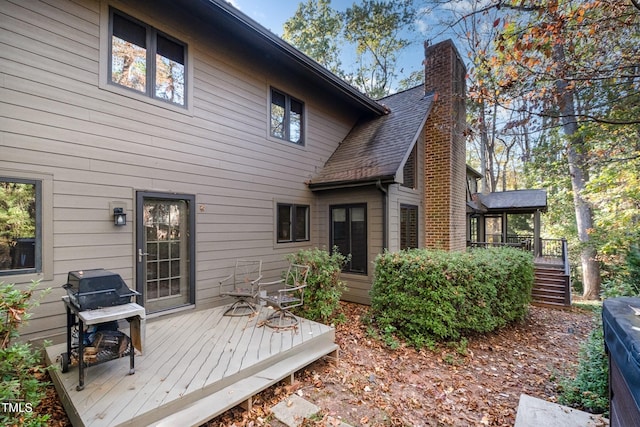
column 295, row 283
column 247, row 271
column 297, row 275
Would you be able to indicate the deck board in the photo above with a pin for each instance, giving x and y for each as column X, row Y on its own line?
column 186, row 358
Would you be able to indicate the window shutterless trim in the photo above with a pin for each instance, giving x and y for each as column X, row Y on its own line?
column 152, row 47
column 290, row 103
column 37, row 264
column 409, row 230
column 43, row 256
column 293, row 222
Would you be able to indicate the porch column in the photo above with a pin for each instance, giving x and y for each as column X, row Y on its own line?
column 505, row 240
column 537, row 250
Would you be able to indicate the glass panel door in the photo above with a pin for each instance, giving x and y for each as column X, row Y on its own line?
column 164, row 251
column 349, row 234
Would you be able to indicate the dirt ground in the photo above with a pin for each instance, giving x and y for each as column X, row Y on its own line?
column 373, row 385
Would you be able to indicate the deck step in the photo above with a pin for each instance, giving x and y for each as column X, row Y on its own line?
column 211, row 406
column 550, row 287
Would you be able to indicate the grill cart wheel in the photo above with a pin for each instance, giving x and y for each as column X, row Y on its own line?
column 64, row 362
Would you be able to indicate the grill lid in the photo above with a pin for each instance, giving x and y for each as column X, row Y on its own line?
column 90, row 289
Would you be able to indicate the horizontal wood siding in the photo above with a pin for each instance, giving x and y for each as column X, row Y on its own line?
column 102, row 146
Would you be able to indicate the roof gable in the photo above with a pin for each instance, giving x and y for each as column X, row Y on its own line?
column 376, row 149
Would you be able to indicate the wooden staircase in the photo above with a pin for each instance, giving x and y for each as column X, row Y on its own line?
column 551, row 286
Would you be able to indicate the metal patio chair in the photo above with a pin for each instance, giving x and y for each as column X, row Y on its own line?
column 290, row 295
column 243, row 285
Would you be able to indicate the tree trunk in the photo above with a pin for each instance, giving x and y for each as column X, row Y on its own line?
column 484, row 143
column 578, row 171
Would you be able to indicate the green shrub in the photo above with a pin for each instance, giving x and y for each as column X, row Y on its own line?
column 589, row 389
column 626, row 280
column 324, row 287
column 19, row 362
column 428, row 296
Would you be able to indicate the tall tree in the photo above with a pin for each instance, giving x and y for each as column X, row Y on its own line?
column 571, row 64
column 499, row 139
column 316, row 29
column 376, row 29
column 562, row 55
column 370, row 31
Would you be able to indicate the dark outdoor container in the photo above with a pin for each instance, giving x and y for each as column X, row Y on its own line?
column 622, row 342
column 24, row 253
column 91, row 289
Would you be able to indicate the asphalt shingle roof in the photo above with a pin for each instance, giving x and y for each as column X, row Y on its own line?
column 514, row 199
column 375, row 149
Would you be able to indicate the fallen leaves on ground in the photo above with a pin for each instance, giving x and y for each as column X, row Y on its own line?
column 373, row 385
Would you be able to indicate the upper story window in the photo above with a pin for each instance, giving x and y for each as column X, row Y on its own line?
column 293, row 223
column 145, row 60
column 287, row 115
column 20, row 226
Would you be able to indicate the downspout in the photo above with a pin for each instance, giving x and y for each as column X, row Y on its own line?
column 385, row 194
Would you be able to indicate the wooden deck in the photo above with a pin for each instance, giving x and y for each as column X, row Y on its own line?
column 194, row 367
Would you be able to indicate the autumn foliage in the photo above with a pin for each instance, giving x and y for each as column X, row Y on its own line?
column 429, row 296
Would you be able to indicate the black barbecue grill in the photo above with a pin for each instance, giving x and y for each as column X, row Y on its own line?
column 91, row 289
column 98, row 299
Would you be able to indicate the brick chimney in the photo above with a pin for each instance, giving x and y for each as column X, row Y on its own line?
column 445, row 160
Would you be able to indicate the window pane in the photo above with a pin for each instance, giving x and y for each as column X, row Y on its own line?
column 130, row 31
column 295, row 122
column 171, row 50
column 302, row 229
column 170, row 71
column 493, row 229
column 408, row 227
column 18, row 222
column 128, row 54
column 357, row 214
column 358, row 240
column 277, row 114
column 349, row 234
column 284, row 223
column 473, row 229
column 340, row 236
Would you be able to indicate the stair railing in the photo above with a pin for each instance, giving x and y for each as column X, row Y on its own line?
column 567, row 272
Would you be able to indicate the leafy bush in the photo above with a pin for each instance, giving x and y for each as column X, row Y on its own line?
column 429, row 296
column 589, row 389
column 19, row 362
column 626, row 281
column 324, row 287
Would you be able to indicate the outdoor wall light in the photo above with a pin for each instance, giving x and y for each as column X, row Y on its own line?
column 119, row 217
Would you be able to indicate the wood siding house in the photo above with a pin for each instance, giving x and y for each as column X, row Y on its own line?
column 218, row 141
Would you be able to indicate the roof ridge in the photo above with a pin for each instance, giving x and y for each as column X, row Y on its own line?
column 400, row 92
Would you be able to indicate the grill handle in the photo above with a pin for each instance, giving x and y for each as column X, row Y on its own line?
column 141, row 254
